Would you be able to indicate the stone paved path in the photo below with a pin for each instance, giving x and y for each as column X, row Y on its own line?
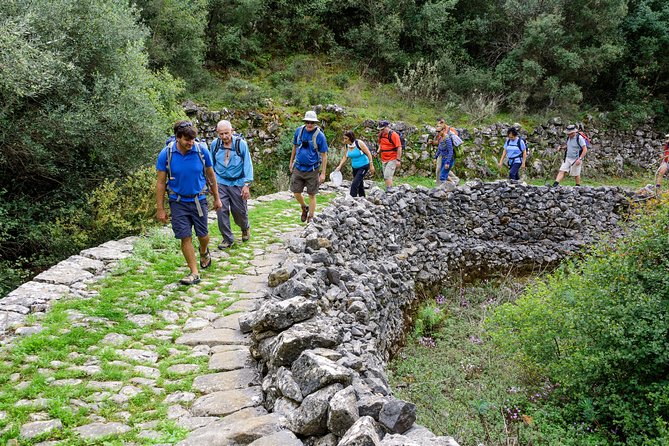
column 203, row 378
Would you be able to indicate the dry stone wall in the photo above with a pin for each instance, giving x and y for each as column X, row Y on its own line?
column 339, row 306
column 613, row 152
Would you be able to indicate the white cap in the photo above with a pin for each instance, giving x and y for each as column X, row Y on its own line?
column 310, row 116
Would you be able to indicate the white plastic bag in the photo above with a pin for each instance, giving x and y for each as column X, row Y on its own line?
column 456, row 139
column 336, row 178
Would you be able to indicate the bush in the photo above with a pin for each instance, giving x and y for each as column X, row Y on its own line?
column 598, row 328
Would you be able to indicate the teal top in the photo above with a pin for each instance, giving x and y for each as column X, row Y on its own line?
column 358, row 157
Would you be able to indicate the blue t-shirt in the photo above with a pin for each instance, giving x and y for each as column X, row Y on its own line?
column 358, row 157
column 186, row 170
column 306, row 157
column 514, row 150
column 239, row 169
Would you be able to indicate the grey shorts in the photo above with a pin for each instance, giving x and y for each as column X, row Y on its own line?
column 184, row 217
column 299, row 180
column 389, row 169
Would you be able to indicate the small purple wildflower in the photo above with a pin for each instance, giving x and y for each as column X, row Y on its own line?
column 440, row 299
column 427, row 341
column 475, row 340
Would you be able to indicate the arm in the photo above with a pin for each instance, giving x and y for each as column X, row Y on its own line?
column 366, row 151
column 213, row 187
column 248, row 172
column 324, row 166
column 160, row 196
column 398, row 144
column 292, row 158
column 585, row 150
column 341, row 163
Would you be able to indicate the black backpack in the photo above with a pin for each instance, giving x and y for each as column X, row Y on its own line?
column 403, row 140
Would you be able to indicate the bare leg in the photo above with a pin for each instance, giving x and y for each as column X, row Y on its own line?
column 577, row 178
column 300, row 198
column 189, row 253
column 204, row 242
column 312, row 204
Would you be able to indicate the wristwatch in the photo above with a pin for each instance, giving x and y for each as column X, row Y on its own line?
column 247, row 184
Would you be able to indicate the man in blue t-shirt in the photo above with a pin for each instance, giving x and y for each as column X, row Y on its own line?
column 310, row 153
column 234, row 174
column 182, row 166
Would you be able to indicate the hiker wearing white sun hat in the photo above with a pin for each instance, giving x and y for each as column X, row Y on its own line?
column 310, row 153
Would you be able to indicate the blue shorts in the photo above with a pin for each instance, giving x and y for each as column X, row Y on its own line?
column 184, row 217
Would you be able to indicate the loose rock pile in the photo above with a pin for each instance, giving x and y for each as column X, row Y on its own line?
column 339, row 307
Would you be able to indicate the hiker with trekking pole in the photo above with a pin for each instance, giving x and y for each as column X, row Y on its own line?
column 361, row 162
column 576, row 149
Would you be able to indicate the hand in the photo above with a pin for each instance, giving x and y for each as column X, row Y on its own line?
column 500, row 164
column 372, row 170
column 217, row 204
column 522, row 166
column 321, row 178
column 398, row 162
column 446, row 166
column 338, row 169
column 246, row 193
column 578, row 161
column 290, row 168
column 161, row 215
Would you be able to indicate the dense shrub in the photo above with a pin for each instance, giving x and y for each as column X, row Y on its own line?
column 598, row 328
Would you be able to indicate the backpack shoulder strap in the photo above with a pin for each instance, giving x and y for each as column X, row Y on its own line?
column 238, row 150
column 390, row 136
column 314, row 138
column 168, row 166
column 299, row 137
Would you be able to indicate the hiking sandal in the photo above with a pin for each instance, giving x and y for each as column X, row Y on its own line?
column 309, row 218
column 191, row 279
column 205, row 260
column 305, row 211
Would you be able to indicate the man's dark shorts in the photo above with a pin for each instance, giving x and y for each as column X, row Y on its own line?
column 184, row 217
column 300, row 179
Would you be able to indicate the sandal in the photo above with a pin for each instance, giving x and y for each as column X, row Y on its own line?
column 190, row 279
column 309, row 218
column 305, row 211
column 205, row 260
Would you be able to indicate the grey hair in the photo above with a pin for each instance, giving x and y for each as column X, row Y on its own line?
column 223, row 123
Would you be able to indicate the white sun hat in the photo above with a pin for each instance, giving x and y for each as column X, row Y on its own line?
column 310, row 116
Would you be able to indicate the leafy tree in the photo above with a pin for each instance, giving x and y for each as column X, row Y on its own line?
column 177, row 34
column 78, row 104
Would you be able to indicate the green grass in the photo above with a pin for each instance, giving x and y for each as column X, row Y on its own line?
column 140, row 284
column 463, row 386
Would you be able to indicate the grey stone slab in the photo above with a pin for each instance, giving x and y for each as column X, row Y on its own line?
column 234, row 379
column 104, row 254
column 283, row 438
column 244, row 305
column 231, row 322
column 213, row 336
column 37, row 428
column 222, row 433
column 63, row 274
column 231, row 360
column 248, row 284
column 192, row 423
column 227, row 402
column 95, row 431
column 140, row 355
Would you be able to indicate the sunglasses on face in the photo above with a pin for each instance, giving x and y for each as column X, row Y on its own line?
column 184, row 125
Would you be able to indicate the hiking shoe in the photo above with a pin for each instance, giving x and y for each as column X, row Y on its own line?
column 305, row 212
column 309, row 218
column 205, row 260
column 246, row 235
column 225, row 244
column 555, row 184
column 191, row 279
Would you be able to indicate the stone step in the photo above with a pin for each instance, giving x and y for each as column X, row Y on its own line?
column 223, row 433
column 235, row 379
column 226, row 402
column 213, row 336
column 232, row 360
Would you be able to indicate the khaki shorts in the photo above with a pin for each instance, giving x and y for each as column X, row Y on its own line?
column 299, row 180
column 569, row 165
column 664, row 167
column 389, row 169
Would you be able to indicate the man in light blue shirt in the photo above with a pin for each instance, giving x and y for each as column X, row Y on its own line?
column 234, row 174
column 577, row 147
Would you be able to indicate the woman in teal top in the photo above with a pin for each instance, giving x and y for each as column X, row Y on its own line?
column 361, row 162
